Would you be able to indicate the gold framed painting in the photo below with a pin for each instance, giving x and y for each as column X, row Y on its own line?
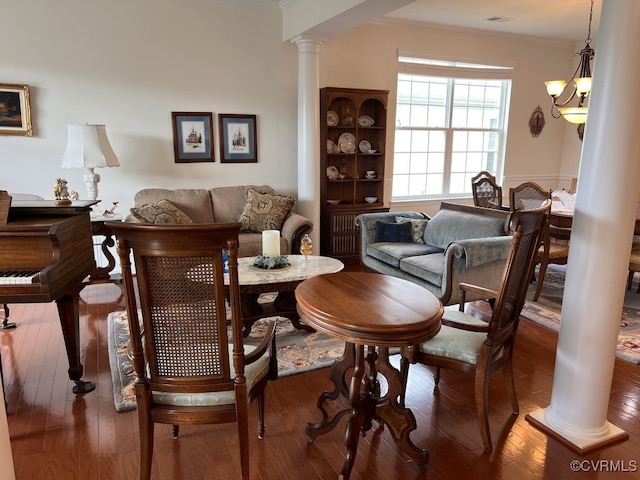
column 15, row 111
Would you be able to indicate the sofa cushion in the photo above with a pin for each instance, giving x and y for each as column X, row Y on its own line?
column 194, row 202
column 228, row 202
column 391, row 253
column 427, row 267
column 263, row 211
column 449, row 226
column 162, row 211
column 393, row 232
column 417, row 227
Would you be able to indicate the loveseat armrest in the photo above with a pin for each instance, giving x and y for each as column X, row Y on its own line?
column 479, row 251
column 293, row 229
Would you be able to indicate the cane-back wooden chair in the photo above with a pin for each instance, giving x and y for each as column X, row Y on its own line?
column 472, row 345
column 188, row 371
column 554, row 243
column 486, row 191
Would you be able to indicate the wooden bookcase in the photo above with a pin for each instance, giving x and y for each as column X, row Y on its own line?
column 346, row 116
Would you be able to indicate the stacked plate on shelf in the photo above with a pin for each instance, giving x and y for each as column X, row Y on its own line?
column 332, row 118
column 347, row 143
column 365, row 121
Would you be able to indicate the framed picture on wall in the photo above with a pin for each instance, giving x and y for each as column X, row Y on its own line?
column 15, row 111
column 238, row 142
column 193, row 137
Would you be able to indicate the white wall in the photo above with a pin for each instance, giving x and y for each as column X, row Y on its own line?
column 129, row 65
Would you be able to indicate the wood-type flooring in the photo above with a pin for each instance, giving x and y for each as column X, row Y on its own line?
column 58, row 435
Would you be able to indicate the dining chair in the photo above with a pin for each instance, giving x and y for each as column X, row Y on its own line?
column 472, row 345
column 554, row 249
column 529, row 195
column 634, row 262
column 486, row 191
column 190, row 366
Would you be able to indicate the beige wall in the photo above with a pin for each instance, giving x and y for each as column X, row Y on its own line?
column 129, row 66
column 367, row 58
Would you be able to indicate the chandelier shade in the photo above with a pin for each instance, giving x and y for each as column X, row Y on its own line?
column 562, row 92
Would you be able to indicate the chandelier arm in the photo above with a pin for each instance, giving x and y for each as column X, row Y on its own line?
column 563, row 104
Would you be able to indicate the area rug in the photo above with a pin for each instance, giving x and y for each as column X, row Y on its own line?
column 546, row 312
column 297, row 351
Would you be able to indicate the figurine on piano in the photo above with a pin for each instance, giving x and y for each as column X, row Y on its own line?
column 61, row 192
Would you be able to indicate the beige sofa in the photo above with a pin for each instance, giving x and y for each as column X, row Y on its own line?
column 224, row 205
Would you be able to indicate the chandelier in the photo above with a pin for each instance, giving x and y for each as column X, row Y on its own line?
column 580, row 87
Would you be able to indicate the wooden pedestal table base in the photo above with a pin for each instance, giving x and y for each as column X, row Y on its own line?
column 371, row 313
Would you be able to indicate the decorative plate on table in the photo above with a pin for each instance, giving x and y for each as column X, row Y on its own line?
column 365, row 121
column 332, row 118
column 364, row 146
column 347, row 143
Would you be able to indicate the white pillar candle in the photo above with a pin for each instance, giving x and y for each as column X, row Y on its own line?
column 271, row 243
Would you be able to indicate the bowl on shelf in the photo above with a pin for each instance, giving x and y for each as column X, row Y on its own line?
column 371, row 199
column 333, row 202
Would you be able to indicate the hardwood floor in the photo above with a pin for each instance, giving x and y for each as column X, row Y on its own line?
column 58, row 435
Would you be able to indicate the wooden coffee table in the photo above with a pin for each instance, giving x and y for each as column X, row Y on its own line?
column 255, row 281
column 370, row 312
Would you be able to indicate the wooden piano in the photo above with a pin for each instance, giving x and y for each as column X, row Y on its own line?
column 46, row 251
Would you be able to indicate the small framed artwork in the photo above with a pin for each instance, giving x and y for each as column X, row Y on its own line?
column 238, row 142
column 15, row 111
column 192, row 137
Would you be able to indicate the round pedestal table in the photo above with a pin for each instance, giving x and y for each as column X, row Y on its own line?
column 371, row 313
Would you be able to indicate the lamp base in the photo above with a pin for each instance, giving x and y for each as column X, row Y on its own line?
column 91, row 180
column 64, row 201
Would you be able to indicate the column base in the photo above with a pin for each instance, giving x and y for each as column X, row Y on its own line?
column 580, row 445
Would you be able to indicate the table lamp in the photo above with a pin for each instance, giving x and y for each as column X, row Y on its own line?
column 88, row 147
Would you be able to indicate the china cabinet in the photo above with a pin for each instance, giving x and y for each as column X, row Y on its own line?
column 353, row 129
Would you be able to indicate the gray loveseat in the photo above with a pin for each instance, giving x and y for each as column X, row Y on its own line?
column 461, row 244
column 225, row 205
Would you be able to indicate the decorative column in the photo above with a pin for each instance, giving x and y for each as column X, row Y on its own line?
column 309, row 132
column 601, row 238
column 7, row 471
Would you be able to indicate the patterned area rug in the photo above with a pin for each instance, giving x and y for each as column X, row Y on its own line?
column 546, row 312
column 297, row 351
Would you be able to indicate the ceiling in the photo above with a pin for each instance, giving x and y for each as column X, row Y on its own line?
column 566, row 20
column 553, row 19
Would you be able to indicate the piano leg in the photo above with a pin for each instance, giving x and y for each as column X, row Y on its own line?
column 69, row 312
column 5, row 323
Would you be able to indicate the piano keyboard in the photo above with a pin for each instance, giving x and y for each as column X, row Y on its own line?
column 18, row 278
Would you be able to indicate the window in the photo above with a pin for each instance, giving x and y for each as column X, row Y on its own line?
column 450, row 124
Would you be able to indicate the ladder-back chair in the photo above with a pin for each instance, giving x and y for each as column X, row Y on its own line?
column 486, row 191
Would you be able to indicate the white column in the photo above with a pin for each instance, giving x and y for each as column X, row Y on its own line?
column 601, row 239
column 6, row 458
column 309, row 133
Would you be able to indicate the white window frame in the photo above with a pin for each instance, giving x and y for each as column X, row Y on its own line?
column 452, row 70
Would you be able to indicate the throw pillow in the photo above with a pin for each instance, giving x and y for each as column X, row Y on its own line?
column 263, row 211
column 417, row 227
column 393, row 232
column 162, row 211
